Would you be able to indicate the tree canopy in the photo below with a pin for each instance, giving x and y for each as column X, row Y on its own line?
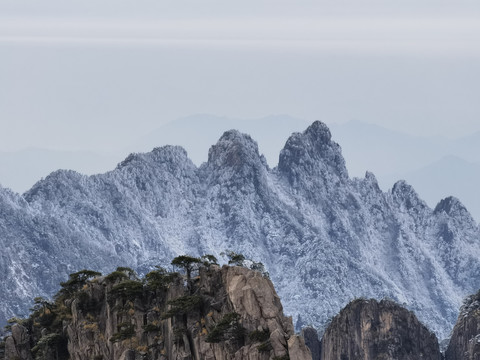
column 188, row 263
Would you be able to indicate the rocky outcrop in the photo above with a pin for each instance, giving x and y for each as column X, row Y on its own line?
column 17, row 346
column 312, row 341
column 367, row 330
column 465, row 340
column 221, row 314
column 312, row 157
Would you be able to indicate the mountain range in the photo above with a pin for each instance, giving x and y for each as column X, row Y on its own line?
column 437, row 167
column 325, row 237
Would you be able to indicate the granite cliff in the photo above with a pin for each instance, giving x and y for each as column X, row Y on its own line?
column 221, row 314
column 228, row 313
column 465, row 339
column 368, row 330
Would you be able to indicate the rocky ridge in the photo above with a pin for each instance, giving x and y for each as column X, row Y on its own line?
column 324, row 237
column 465, row 339
column 367, row 330
column 224, row 313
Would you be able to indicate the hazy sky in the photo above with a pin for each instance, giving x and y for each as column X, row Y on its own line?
column 97, row 74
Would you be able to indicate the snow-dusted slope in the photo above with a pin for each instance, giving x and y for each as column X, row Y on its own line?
column 325, row 238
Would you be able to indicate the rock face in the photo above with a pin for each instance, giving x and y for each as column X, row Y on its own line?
column 367, row 330
column 465, row 340
column 311, row 340
column 228, row 313
column 17, row 346
column 324, row 237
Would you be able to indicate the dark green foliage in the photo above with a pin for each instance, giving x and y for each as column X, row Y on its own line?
column 115, row 276
column 2, row 349
column 182, row 305
column 13, row 321
column 188, row 263
column 151, row 328
column 215, row 336
column 127, row 290
column 208, row 260
column 125, row 331
column 179, row 332
column 86, row 303
column 46, row 324
column 159, row 279
column 41, row 304
column 185, row 261
column 266, row 346
column 229, row 328
column 46, row 319
column 258, row 266
column 470, row 303
column 50, row 346
column 126, row 270
column 122, row 273
column 42, row 311
column 234, row 258
column 178, row 335
column 260, row 335
column 75, row 282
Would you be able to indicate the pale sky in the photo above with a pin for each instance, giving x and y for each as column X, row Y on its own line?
column 97, row 75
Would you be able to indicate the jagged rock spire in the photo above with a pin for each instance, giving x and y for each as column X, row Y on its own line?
column 449, row 206
column 235, row 150
column 312, row 154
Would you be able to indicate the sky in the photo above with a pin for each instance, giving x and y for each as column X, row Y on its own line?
column 90, row 75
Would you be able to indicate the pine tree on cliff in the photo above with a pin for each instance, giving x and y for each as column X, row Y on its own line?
column 188, row 263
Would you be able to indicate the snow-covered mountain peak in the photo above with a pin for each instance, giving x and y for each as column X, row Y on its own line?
column 371, row 179
column 450, row 206
column 368, row 184
column 10, row 199
column 63, row 176
column 311, row 149
column 165, row 154
column 406, row 197
column 451, row 210
column 313, row 163
column 156, row 164
column 235, row 150
column 319, row 131
column 54, row 184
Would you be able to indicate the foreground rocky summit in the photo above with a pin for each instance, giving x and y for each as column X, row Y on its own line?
column 324, row 237
column 465, row 340
column 368, row 330
column 228, row 313
column 225, row 313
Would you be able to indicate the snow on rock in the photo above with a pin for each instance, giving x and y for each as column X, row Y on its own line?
column 325, row 238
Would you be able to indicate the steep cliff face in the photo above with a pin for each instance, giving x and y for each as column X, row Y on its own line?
column 17, row 346
column 312, row 341
column 367, row 330
column 224, row 313
column 465, row 340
